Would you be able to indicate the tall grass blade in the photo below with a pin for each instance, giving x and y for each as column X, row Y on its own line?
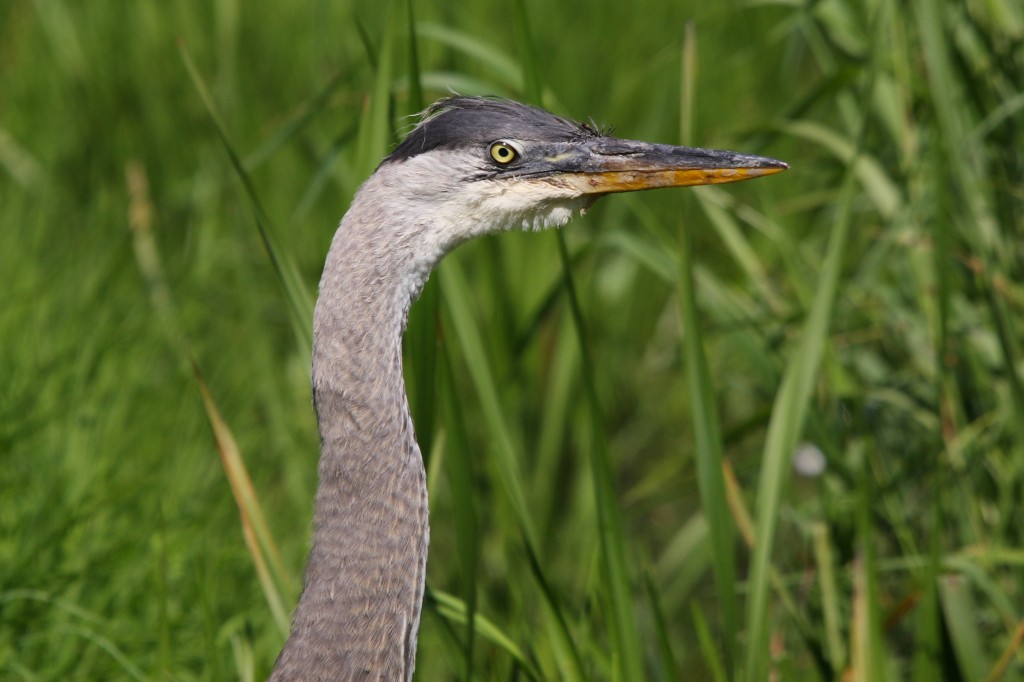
column 613, row 542
column 617, row 585
column 323, row 174
column 265, row 555
column 867, row 653
column 1001, row 666
column 459, row 467
column 708, row 452
column 532, row 84
column 375, row 128
column 666, row 658
column 830, row 596
column 703, row 408
column 926, row 663
column 459, row 319
column 785, row 428
column 684, row 563
column 300, row 302
column 707, row 645
column 860, row 655
column 147, row 254
column 454, row 287
column 125, row 664
column 745, row 526
column 958, row 610
column 369, row 49
column 452, row 608
column 295, row 124
column 555, row 428
column 502, row 68
column 416, row 101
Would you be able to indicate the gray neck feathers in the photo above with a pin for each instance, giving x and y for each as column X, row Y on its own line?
column 359, row 613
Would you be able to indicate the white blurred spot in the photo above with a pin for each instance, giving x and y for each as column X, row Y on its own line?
column 809, row 460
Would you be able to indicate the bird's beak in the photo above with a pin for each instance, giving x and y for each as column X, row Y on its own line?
column 606, row 165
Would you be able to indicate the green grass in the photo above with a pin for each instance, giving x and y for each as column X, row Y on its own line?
column 608, row 415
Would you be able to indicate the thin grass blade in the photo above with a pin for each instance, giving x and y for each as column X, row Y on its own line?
column 622, row 620
column 958, row 610
column 497, row 64
column 666, row 658
column 459, row 467
column 613, row 546
column 708, row 452
column 789, row 413
column 868, row 653
column 454, row 609
column 300, row 302
column 830, row 597
column 459, row 319
column 707, row 645
column 265, row 555
column 999, row 671
column 375, row 128
column 703, row 403
column 416, row 101
column 926, row 664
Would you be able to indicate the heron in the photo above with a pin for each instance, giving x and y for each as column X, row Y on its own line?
column 471, row 166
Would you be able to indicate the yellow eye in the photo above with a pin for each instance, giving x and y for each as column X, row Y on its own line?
column 504, row 153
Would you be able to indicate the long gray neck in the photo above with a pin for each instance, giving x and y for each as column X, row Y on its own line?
column 359, row 612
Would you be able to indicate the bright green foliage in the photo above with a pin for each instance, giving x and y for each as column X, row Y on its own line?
column 609, row 417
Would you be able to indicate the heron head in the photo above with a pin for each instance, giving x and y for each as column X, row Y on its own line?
column 476, row 165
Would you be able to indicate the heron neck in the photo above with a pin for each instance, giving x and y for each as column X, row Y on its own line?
column 359, row 612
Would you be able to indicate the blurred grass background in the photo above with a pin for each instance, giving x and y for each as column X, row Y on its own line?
column 864, row 307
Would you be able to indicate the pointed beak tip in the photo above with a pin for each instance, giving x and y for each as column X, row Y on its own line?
column 770, row 167
column 758, row 167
